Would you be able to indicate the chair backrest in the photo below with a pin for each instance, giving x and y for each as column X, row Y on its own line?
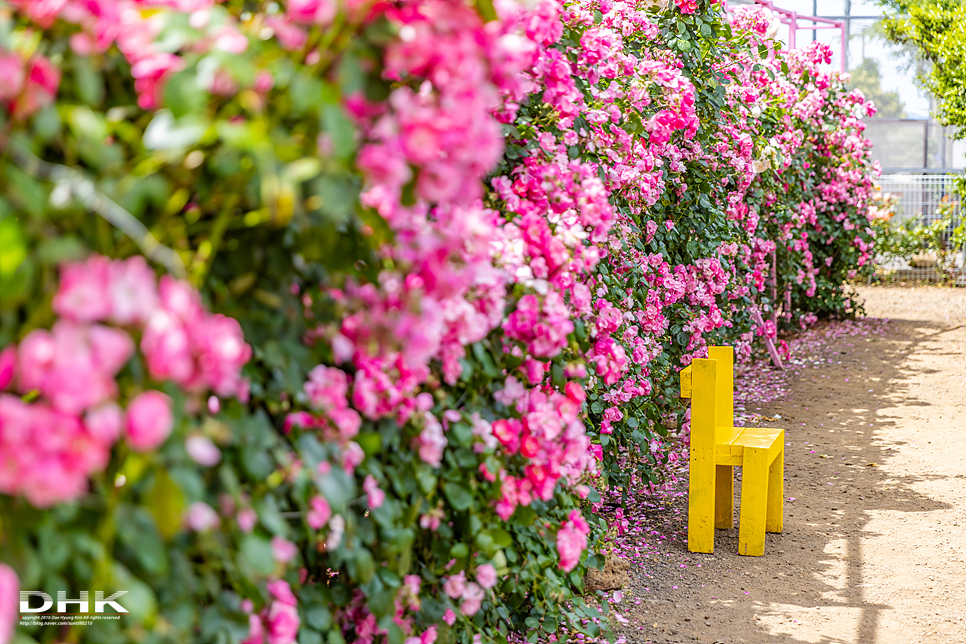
column 709, row 383
column 698, row 382
column 724, row 358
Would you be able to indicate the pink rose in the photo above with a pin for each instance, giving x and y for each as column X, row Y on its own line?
column 327, row 388
column 12, row 76
column 133, row 291
column 449, row 616
column 256, row 632
column 86, row 358
column 149, row 73
column 43, row 78
column 35, row 356
column 283, row 623
column 319, row 513
column 432, row 441
column 431, row 520
column 202, row 451
column 201, row 517
column 572, row 540
column 166, row 345
column 221, row 349
column 46, row 455
column 352, row 456
column 281, row 591
column 472, row 599
column 264, row 82
column 9, row 602
column 149, row 420
column 376, row 496
column 348, row 421
column 247, row 519
column 455, row 585
column 8, row 363
column 231, row 40
column 301, row 419
column 283, row 550
column 289, row 36
column 486, row 575
column 83, row 294
column 110, row 348
column 320, row 12
column 104, row 423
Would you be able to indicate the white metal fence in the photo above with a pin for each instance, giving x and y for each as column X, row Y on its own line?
column 921, row 196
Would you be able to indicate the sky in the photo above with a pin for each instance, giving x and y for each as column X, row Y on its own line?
column 893, row 77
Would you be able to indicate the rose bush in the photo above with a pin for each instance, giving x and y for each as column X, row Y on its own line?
column 421, row 278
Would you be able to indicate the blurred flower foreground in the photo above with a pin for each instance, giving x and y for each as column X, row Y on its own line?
column 353, row 321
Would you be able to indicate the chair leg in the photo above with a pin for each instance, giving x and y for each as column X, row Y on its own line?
column 701, row 501
column 754, row 502
column 776, row 491
column 724, row 497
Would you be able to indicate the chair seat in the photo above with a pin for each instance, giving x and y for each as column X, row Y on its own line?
column 731, row 449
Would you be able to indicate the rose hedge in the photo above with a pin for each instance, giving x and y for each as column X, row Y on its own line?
column 419, row 280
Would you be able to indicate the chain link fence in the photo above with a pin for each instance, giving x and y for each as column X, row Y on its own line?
column 926, row 211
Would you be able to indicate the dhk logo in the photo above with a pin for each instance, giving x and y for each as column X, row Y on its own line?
column 82, row 603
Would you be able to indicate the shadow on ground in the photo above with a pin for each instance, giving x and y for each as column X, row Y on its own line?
column 838, row 480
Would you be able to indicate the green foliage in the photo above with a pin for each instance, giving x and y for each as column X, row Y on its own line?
column 937, row 31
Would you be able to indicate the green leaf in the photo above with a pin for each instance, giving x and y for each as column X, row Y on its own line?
column 341, row 129
column 338, row 488
column 318, row 617
column 524, row 515
column 501, row 537
column 59, row 249
column 426, row 478
column 486, row 10
column 139, row 599
column 257, row 551
column 257, row 461
column 182, row 95
column 47, row 123
column 370, row 442
column 90, row 83
column 307, row 636
column 14, row 248
column 166, row 503
column 362, row 567
column 270, row 516
column 458, row 496
column 557, row 375
column 485, row 359
column 137, row 530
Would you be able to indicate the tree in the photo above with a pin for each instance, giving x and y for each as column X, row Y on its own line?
column 937, row 30
column 868, row 79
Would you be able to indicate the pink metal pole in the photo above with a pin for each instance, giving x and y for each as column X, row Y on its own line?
column 791, row 18
column 844, row 45
column 774, row 287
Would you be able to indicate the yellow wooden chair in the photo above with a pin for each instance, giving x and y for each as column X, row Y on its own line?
column 716, row 448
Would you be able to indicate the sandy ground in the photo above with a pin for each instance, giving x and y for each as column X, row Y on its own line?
column 874, row 547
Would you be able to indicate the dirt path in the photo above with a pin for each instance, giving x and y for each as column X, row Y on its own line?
column 874, row 548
